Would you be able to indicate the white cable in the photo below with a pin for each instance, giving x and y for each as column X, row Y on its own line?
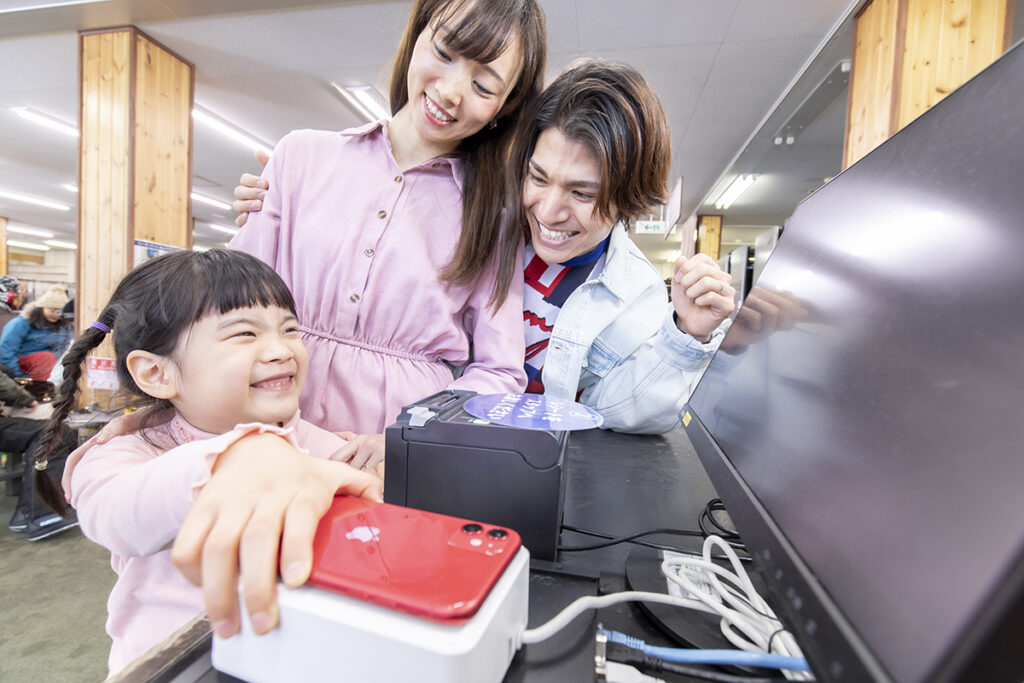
column 747, row 620
column 562, row 619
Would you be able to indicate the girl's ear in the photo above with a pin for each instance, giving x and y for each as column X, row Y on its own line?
column 155, row 375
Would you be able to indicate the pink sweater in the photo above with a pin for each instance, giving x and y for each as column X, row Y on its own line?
column 132, row 498
column 360, row 243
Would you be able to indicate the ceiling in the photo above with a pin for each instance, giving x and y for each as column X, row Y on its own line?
column 731, row 73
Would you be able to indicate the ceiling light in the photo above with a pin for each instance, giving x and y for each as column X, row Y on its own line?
column 70, row 188
column 33, row 200
column 29, row 231
column 229, row 130
column 61, row 244
column 47, row 5
column 369, row 103
column 50, row 122
column 210, row 201
column 223, row 228
column 28, row 245
column 737, row 187
column 196, row 247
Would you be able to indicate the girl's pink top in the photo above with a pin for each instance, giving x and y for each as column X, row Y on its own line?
column 132, row 498
column 360, row 243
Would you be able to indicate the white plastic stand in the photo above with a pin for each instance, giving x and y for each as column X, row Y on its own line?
column 326, row 636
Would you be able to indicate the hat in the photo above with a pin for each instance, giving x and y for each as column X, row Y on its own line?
column 53, row 298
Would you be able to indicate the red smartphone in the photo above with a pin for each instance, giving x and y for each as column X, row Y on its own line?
column 424, row 563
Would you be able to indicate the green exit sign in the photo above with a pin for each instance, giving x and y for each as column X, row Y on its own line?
column 650, row 227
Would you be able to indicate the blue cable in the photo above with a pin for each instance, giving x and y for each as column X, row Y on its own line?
column 694, row 656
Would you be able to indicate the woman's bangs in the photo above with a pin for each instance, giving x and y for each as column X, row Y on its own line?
column 476, row 30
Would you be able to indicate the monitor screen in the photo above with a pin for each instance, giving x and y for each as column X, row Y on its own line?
column 862, row 420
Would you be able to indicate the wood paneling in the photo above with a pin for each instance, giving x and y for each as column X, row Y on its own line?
column 163, row 105
column 709, row 235
column 104, row 229
column 870, row 103
column 135, row 160
column 947, row 42
column 909, row 54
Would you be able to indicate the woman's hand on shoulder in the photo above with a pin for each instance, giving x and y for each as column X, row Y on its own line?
column 250, row 192
column 264, row 495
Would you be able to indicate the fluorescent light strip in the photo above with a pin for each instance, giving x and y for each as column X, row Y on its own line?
column 33, row 200
column 737, row 187
column 210, row 201
column 27, row 245
column 48, row 5
column 61, row 244
column 229, row 130
column 223, row 228
column 365, row 100
column 28, row 231
column 50, row 122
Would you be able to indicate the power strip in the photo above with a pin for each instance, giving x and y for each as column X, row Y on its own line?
column 327, row 636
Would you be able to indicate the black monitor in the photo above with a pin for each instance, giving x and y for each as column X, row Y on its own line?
column 864, row 418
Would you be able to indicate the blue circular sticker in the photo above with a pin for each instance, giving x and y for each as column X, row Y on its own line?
column 533, row 411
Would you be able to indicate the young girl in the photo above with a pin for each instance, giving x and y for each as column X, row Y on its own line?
column 212, row 336
column 386, row 233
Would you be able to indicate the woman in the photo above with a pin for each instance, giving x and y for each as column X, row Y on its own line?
column 385, row 233
column 32, row 342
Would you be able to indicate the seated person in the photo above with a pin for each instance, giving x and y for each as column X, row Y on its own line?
column 32, row 342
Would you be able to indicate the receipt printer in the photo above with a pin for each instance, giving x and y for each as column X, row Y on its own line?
column 440, row 458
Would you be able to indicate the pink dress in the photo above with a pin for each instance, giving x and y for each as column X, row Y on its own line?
column 360, row 243
column 132, row 498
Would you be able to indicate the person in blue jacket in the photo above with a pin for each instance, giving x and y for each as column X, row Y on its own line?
column 32, row 342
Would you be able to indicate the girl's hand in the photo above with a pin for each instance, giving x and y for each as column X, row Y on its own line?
column 263, row 495
column 363, row 451
column 119, row 426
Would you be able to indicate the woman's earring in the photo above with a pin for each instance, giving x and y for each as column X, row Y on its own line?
column 492, row 124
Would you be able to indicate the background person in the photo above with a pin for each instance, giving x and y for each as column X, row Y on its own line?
column 32, row 342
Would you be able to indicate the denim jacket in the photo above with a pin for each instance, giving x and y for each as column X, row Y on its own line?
column 615, row 338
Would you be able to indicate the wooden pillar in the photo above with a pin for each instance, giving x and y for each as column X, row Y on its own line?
column 4, row 266
column 135, row 158
column 709, row 235
column 909, row 54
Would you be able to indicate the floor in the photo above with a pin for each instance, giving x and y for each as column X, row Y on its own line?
column 54, row 594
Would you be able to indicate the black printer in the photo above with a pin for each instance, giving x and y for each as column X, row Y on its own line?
column 440, row 458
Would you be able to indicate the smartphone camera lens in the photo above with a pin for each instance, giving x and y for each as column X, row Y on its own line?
column 472, row 528
column 497, row 533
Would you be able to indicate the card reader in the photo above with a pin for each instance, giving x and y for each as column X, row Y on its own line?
column 443, row 459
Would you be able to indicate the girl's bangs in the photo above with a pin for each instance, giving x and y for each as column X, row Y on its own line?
column 225, row 281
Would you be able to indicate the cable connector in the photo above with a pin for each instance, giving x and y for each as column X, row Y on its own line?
column 600, row 660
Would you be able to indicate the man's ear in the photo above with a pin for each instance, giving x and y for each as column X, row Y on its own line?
column 154, row 375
